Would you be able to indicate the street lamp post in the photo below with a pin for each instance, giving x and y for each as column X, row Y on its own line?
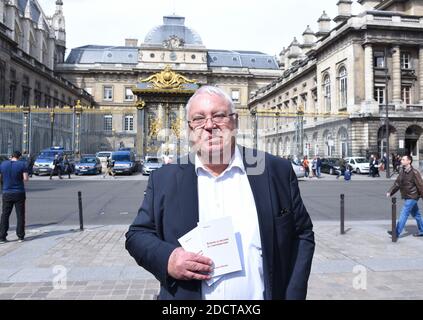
column 388, row 171
column 299, row 132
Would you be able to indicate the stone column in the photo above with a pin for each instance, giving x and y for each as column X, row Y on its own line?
column 396, row 75
column 368, row 73
column 421, row 74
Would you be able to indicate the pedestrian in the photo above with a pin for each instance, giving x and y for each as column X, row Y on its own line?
column 110, row 163
column 410, row 183
column 342, row 168
column 375, row 167
column 221, row 179
column 318, row 166
column 13, row 174
column 57, row 167
column 67, row 168
column 31, row 161
column 398, row 163
column 314, row 166
column 393, row 159
column 306, row 166
column 371, row 165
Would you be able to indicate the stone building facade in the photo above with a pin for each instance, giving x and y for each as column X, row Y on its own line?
column 332, row 98
column 31, row 45
column 110, row 72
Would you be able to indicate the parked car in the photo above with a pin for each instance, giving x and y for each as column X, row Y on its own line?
column 150, row 164
column 358, row 164
column 330, row 165
column 124, row 162
column 89, row 164
column 298, row 169
column 44, row 162
column 102, row 156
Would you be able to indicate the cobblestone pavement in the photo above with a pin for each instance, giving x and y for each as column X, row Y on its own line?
column 64, row 263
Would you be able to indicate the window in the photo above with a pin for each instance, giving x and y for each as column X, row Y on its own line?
column 304, row 103
column 406, row 95
column 37, row 98
column 327, row 93
column 380, row 94
column 25, row 96
column 129, row 123
column 235, row 96
column 129, row 96
column 343, row 87
column 108, row 93
column 108, row 123
column 379, row 59
column 405, row 60
column 12, row 94
column 47, row 100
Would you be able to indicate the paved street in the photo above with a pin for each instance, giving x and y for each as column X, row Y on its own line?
column 59, row 262
column 116, row 201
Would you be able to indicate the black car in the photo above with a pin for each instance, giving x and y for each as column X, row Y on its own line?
column 330, row 165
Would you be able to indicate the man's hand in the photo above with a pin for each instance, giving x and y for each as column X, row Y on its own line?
column 185, row 265
column 388, row 195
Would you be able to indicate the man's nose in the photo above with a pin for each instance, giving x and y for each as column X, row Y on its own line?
column 209, row 125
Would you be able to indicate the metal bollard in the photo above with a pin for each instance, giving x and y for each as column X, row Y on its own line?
column 394, row 220
column 81, row 218
column 342, row 214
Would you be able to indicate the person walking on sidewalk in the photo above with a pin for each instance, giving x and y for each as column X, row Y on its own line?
column 67, row 166
column 306, row 165
column 57, row 167
column 410, row 183
column 13, row 174
column 318, row 166
column 109, row 168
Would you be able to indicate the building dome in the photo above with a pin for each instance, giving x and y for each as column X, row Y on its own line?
column 173, row 33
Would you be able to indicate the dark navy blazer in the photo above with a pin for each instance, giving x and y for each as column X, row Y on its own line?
column 170, row 210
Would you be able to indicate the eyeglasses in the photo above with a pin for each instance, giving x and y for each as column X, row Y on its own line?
column 219, row 119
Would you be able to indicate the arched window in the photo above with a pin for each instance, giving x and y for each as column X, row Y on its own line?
column 343, row 87
column 327, row 93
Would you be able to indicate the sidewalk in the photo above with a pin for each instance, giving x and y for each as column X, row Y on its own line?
column 95, row 264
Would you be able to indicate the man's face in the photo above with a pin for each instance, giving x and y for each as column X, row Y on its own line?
column 405, row 161
column 211, row 138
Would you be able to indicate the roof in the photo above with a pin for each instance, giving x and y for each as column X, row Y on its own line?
column 173, row 26
column 103, row 54
column 241, row 59
column 92, row 54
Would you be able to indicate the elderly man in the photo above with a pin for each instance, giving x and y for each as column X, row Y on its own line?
column 218, row 180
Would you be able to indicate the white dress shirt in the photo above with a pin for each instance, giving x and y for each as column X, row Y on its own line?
column 230, row 194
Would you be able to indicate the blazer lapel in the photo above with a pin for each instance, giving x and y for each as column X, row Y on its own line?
column 188, row 196
column 261, row 191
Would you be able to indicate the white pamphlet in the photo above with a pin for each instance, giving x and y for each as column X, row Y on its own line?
column 219, row 244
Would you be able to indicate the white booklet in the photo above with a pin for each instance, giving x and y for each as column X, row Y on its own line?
column 216, row 240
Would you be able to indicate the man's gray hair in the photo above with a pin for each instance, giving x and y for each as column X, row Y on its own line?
column 210, row 90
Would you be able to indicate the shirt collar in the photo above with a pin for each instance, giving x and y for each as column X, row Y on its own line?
column 236, row 162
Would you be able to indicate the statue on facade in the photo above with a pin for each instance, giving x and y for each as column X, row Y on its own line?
column 173, row 42
column 168, row 79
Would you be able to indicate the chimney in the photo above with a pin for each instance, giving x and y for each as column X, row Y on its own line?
column 294, row 50
column 369, row 4
column 344, row 11
column 131, row 43
column 324, row 25
column 309, row 38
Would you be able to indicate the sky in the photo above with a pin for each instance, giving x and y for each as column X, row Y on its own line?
column 259, row 25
